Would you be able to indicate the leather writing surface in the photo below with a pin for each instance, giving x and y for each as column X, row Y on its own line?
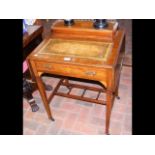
column 74, row 48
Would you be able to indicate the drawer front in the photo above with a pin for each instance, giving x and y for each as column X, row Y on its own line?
column 72, row 70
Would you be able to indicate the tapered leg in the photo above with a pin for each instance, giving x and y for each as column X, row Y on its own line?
column 44, row 97
column 109, row 97
column 108, row 112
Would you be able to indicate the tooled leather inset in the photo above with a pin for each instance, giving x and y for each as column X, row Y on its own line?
column 88, row 49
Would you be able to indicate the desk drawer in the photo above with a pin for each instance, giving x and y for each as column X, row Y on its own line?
column 91, row 73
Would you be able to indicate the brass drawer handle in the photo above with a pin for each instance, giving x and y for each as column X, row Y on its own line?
column 48, row 66
column 90, row 73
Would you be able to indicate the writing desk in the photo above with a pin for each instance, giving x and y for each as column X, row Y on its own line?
column 80, row 51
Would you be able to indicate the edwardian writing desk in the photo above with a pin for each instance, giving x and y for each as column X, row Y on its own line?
column 83, row 52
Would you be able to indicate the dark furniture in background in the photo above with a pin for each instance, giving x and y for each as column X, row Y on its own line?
column 31, row 39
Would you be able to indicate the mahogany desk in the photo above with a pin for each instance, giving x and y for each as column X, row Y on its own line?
column 80, row 51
